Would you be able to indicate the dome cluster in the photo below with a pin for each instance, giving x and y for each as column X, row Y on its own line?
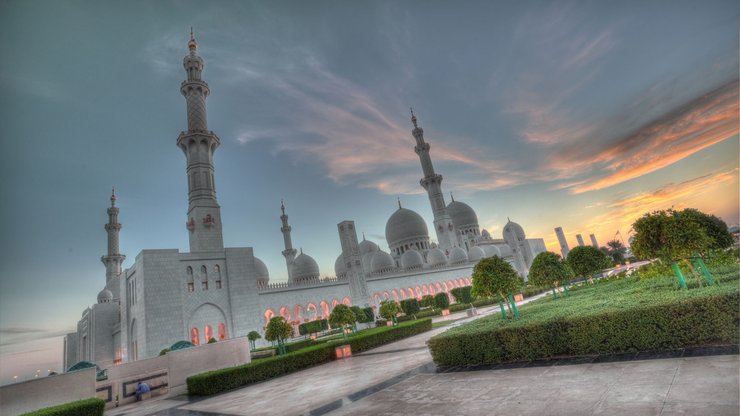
column 304, row 269
column 406, row 230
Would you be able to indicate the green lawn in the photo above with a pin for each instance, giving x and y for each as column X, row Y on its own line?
column 612, row 315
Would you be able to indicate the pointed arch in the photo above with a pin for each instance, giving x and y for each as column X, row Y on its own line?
column 313, row 312
column 347, row 301
column 324, row 309
column 395, row 295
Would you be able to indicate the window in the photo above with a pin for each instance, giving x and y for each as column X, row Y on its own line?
column 204, row 277
column 191, row 287
column 194, row 337
column 189, row 279
column 209, row 333
column 217, row 271
column 204, row 285
column 221, row 331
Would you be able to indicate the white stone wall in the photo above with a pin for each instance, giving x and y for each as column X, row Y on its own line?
column 35, row 394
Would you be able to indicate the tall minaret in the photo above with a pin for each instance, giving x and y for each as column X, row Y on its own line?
column 114, row 259
column 198, row 144
column 432, row 182
column 289, row 251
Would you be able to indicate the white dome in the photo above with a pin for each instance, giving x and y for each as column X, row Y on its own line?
column 262, row 275
column 491, row 250
column 105, row 296
column 403, row 225
column 485, row 233
column 476, row 253
column 366, row 261
column 513, row 233
column 367, row 246
column 339, row 268
column 458, row 255
column 462, row 215
column 436, row 257
column 305, row 268
column 412, row 259
column 382, row 262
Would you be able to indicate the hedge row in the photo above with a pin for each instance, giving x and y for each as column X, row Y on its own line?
column 225, row 379
column 313, row 327
column 696, row 320
column 87, row 407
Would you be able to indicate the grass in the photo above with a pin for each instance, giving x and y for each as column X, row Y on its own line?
column 613, row 315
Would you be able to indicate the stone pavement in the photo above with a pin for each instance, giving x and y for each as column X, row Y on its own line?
column 400, row 378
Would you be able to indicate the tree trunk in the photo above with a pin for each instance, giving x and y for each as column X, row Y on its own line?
column 694, row 272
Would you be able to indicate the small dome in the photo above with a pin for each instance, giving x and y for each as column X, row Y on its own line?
column 305, row 268
column 261, row 273
column 412, row 259
column 382, row 262
column 436, row 257
column 105, row 296
column 339, row 268
column 366, row 261
column 462, row 215
column 491, row 250
column 513, row 233
column 405, row 224
column 458, row 256
column 367, row 246
column 485, row 234
column 180, row 345
column 476, row 253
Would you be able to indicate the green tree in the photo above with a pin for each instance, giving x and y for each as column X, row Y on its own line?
column 587, row 260
column 616, row 251
column 462, row 294
column 361, row 314
column 389, row 309
column 441, row 301
column 493, row 277
column 715, row 228
column 253, row 336
column 427, row 301
column 674, row 236
column 410, row 306
column 342, row 317
column 549, row 270
column 278, row 329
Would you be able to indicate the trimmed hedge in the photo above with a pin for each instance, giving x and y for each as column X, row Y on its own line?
column 86, row 407
column 462, row 294
column 299, row 345
column 652, row 320
column 313, row 327
column 217, row 381
column 410, row 306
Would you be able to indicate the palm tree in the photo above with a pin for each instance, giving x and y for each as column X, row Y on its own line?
column 616, row 251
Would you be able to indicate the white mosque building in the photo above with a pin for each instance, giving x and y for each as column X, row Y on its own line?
column 219, row 292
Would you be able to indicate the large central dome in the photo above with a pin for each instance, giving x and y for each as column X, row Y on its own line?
column 405, row 225
column 462, row 215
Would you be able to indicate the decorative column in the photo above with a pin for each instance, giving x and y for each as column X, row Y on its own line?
column 114, row 259
column 289, row 251
column 351, row 253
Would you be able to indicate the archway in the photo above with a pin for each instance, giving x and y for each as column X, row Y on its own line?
column 324, row 309
column 313, row 313
column 299, row 314
column 207, row 316
column 418, row 293
column 269, row 314
column 285, row 313
column 395, row 295
column 347, row 301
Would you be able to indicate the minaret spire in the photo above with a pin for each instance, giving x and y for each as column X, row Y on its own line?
column 399, row 202
column 289, row 251
column 432, row 182
column 452, row 197
column 198, row 143
column 114, row 259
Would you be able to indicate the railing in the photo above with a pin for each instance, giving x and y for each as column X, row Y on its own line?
column 278, row 286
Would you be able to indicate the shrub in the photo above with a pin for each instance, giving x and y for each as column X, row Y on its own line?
column 313, row 327
column 457, row 307
column 427, row 301
column 548, row 270
column 389, row 309
column 462, row 294
column 342, row 316
column 299, row 345
column 587, row 260
column 441, row 301
column 426, row 313
column 381, row 322
column 630, row 316
column 164, row 351
column 410, row 306
column 217, row 381
column 87, row 407
column 362, row 315
column 212, row 340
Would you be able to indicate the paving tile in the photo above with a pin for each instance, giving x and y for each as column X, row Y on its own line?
column 701, row 392
column 689, row 408
column 611, row 408
column 645, row 393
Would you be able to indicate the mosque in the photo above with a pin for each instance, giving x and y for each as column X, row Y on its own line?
column 220, row 292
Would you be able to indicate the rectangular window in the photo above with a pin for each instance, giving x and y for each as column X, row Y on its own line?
column 218, row 284
column 205, row 285
column 191, row 287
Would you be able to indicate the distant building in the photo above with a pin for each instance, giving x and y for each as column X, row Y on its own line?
column 564, row 249
column 593, row 241
column 580, row 240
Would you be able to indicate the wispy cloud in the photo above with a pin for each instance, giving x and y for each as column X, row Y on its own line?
column 15, row 335
column 697, row 125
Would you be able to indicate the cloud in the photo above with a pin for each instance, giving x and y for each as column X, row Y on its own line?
column 16, row 335
column 697, row 125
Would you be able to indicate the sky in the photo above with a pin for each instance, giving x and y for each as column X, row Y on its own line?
column 583, row 115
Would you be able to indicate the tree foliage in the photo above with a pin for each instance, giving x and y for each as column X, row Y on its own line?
column 462, row 294
column 587, row 261
column 278, row 329
column 363, row 315
column 389, row 309
column 670, row 235
column 427, row 301
column 253, row 336
column 714, row 227
column 341, row 316
column 616, row 251
column 548, row 270
column 493, row 277
column 410, row 306
column 441, row 301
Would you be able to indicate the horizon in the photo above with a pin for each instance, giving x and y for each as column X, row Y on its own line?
column 575, row 115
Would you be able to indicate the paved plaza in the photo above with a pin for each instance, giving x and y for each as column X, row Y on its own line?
column 400, row 379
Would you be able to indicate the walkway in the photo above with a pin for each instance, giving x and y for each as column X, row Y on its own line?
column 399, row 379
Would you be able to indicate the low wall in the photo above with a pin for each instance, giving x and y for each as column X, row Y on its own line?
column 167, row 373
column 38, row 393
